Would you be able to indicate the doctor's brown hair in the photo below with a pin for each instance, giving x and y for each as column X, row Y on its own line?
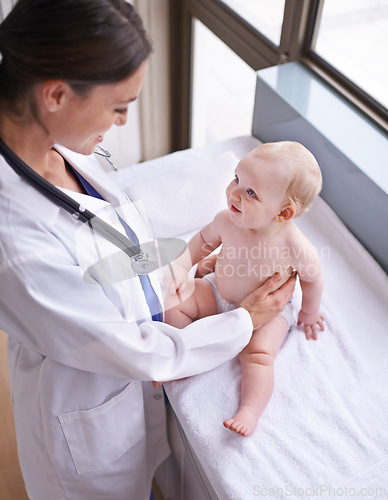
column 82, row 42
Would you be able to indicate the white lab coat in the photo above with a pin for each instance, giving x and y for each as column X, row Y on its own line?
column 87, row 427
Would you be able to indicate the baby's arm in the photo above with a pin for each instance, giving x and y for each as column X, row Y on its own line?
column 311, row 282
column 199, row 247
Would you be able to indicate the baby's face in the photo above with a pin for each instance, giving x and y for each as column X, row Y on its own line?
column 257, row 193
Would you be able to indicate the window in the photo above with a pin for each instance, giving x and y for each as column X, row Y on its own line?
column 344, row 41
column 223, row 90
column 352, row 36
column 265, row 16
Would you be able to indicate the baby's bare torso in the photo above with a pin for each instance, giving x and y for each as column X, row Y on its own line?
column 247, row 258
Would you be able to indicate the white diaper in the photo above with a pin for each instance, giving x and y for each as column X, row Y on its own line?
column 288, row 313
column 222, row 304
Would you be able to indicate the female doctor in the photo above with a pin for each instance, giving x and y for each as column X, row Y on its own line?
column 81, row 352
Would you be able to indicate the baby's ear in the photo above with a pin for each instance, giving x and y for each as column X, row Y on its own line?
column 286, row 213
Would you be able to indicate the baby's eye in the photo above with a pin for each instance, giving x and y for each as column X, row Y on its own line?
column 236, row 179
column 121, row 111
column 251, row 192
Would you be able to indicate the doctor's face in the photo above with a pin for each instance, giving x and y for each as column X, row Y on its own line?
column 85, row 119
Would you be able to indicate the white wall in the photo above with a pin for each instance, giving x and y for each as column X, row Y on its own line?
column 5, row 7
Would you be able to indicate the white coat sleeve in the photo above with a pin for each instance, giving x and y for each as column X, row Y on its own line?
column 47, row 306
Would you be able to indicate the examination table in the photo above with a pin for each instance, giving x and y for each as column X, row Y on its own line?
column 325, row 431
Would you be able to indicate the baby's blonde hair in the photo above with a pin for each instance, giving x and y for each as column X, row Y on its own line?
column 305, row 178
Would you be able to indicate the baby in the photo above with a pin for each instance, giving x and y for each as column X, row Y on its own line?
column 273, row 184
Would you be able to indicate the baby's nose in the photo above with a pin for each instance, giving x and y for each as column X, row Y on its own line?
column 235, row 193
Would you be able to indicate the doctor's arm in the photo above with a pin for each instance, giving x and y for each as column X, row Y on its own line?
column 50, row 309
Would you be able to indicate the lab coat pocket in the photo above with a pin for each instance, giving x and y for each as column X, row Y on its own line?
column 98, row 436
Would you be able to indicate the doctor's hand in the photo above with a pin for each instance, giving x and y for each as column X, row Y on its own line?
column 269, row 300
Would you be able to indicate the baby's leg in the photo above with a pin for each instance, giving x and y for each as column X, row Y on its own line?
column 194, row 304
column 257, row 377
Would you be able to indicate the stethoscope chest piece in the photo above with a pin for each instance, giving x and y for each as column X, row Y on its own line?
column 141, row 264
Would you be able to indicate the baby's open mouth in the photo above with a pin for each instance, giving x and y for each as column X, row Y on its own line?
column 234, row 209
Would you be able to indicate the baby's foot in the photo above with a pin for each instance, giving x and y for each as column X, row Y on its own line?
column 157, row 384
column 244, row 422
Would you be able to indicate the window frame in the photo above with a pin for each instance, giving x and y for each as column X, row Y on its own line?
column 364, row 102
column 297, row 35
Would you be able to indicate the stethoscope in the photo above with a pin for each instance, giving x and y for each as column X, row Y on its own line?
column 140, row 262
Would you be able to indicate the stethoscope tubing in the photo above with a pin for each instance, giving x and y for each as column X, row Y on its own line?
column 66, row 202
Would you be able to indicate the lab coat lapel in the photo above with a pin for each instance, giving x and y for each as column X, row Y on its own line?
column 90, row 168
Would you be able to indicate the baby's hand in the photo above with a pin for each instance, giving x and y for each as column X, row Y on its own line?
column 175, row 284
column 311, row 322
